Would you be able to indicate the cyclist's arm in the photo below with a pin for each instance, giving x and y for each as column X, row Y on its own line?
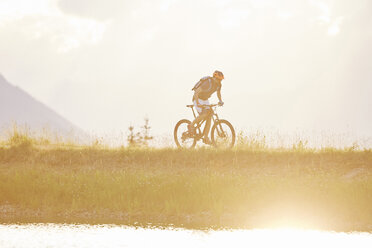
column 219, row 95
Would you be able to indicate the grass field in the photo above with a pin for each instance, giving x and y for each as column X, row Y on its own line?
column 205, row 188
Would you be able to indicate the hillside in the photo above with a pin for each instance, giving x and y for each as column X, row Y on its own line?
column 17, row 106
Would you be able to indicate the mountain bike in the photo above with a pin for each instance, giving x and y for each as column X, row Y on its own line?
column 222, row 132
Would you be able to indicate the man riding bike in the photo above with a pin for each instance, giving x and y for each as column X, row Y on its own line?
column 202, row 92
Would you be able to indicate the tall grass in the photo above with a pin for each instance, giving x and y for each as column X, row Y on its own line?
column 204, row 188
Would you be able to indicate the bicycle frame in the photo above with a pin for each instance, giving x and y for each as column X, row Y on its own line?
column 214, row 118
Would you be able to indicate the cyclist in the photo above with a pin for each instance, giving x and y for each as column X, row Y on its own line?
column 202, row 92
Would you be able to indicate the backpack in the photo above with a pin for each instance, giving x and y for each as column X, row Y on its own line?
column 201, row 81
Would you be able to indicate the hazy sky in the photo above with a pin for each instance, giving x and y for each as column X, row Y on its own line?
column 288, row 64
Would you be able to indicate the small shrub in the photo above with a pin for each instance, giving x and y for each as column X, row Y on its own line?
column 140, row 139
column 300, row 145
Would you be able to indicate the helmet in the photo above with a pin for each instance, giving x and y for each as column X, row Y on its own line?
column 218, row 75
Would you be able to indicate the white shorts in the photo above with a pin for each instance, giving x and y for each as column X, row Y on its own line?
column 201, row 102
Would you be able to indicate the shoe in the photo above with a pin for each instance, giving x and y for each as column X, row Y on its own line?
column 207, row 141
column 191, row 129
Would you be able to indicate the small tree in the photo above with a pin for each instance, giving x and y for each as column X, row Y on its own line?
column 146, row 133
column 140, row 138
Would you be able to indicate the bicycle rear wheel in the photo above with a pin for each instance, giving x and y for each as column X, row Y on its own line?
column 182, row 137
column 223, row 134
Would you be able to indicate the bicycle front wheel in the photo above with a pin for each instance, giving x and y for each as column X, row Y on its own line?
column 182, row 137
column 223, row 134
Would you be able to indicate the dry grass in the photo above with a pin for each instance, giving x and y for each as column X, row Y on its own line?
column 205, row 188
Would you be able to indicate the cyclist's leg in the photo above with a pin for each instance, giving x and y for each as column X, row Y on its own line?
column 201, row 115
column 207, row 122
column 198, row 119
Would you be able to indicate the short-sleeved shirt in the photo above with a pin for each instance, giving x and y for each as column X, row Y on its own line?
column 208, row 87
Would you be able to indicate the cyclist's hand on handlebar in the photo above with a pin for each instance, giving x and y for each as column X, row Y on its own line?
column 220, row 103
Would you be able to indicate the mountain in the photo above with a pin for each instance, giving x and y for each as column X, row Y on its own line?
column 17, row 106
